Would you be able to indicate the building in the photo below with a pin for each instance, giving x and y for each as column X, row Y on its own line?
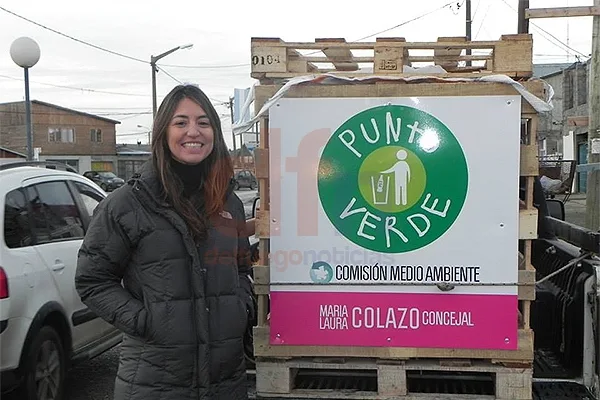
column 81, row 140
column 130, row 158
column 563, row 132
column 550, row 128
column 575, row 118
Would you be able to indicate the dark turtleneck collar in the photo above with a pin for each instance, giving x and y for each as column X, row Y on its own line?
column 192, row 176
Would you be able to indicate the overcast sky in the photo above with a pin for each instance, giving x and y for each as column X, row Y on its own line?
column 76, row 75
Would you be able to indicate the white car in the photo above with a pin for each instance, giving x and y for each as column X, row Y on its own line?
column 44, row 326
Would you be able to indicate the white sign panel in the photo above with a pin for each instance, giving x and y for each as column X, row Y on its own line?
column 400, row 199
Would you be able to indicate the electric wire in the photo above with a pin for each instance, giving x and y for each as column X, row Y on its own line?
column 73, row 38
column 77, row 88
column 565, row 46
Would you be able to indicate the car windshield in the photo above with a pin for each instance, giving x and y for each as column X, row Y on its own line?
column 107, row 175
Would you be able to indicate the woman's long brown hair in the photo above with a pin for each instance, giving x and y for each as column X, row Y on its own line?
column 218, row 165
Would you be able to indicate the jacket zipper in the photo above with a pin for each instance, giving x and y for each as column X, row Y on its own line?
column 187, row 240
column 194, row 316
column 184, row 232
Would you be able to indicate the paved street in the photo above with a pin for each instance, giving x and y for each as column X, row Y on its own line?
column 575, row 209
column 95, row 379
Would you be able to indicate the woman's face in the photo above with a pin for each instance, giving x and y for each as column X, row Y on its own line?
column 190, row 135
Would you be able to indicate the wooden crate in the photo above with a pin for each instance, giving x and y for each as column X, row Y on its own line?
column 270, row 358
column 387, row 379
column 273, row 58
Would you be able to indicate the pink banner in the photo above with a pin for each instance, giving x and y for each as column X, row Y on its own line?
column 394, row 320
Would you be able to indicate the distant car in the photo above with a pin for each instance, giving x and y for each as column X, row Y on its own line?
column 44, row 326
column 107, row 180
column 246, row 179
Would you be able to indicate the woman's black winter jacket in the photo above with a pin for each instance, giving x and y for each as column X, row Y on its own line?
column 183, row 308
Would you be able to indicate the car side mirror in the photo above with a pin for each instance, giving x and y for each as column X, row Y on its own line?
column 556, row 209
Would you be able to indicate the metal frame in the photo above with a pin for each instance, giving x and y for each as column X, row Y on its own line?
column 579, row 236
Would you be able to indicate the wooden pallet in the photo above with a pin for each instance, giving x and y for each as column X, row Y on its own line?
column 273, row 58
column 276, row 363
column 387, row 379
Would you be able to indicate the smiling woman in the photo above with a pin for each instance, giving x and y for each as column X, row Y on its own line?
column 166, row 259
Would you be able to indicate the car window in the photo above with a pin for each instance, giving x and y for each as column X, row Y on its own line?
column 90, row 196
column 54, row 213
column 17, row 231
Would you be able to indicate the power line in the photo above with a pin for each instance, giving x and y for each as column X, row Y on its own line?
column 405, row 22
column 476, row 9
column 548, row 33
column 481, row 25
column 169, row 75
column 97, row 114
column 393, row 27
column 219, row 102
column 73, row 38
column 114, row 108
column 77, row 88
column 206, row 66
column 115, row 52
column 354, row 41
column 132, row 134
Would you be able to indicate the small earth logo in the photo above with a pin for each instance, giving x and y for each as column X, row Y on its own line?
column 321, row 272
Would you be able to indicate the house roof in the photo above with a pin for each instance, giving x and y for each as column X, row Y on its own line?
column 16, row 153
column 548, row 70
column 70, row 110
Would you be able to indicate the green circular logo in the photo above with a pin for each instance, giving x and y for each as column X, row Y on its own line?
column 392, row 179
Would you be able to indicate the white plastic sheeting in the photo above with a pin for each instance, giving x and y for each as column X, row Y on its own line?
column 538, row 104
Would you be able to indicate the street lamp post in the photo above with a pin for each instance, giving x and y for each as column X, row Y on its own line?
column 149, row 131
column 153, row 60
column 25, row 52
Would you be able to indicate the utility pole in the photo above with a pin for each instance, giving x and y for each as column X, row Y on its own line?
column 234, row 157
column 153, row 61
column 468, row 22
column 232, row 121
column 523, row 26
column 592, row 202
column 593, row 166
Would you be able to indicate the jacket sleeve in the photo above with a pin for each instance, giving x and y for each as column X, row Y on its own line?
column 101, row 263
column 245, row 261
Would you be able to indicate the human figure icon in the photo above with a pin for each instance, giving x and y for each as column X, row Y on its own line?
column 401, row 171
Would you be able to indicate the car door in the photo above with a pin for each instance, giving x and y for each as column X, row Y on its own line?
column 86, row 325
column 58, row 228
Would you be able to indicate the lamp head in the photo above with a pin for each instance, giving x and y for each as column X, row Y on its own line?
column 25, row 52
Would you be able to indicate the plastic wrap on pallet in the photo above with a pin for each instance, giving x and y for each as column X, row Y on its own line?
column 538, row 104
